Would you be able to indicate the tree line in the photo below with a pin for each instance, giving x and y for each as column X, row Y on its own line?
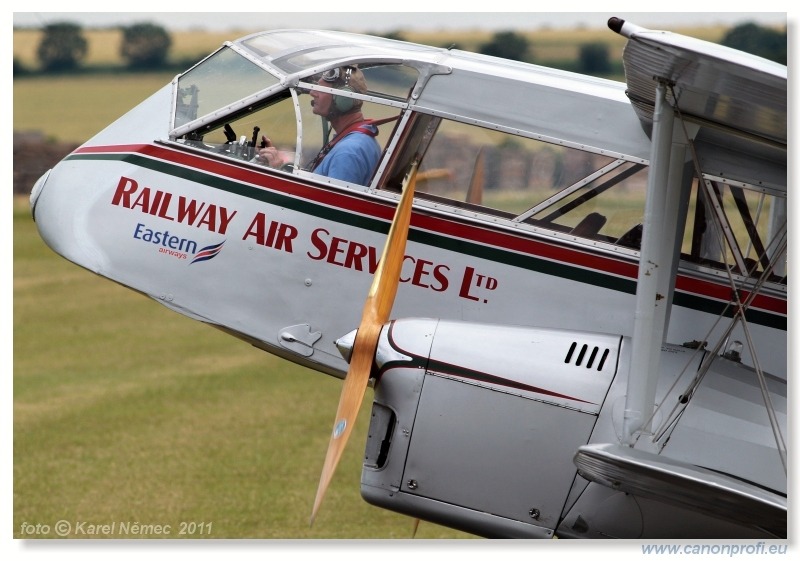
column 593, row 58
column 145, row 46
column 63, row 48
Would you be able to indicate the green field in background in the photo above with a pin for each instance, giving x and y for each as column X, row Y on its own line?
column 75, row 108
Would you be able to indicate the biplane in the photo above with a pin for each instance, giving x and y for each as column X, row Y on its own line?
column 568, row 294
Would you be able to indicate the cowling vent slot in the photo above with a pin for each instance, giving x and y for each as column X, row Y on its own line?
column 586, row 355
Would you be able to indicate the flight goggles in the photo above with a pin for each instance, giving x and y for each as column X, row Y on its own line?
column 335, row 75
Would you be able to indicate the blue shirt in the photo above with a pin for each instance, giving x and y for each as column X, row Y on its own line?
column 352, row 159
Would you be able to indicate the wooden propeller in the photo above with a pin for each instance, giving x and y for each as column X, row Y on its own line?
column 376, row 312
column 475, row 192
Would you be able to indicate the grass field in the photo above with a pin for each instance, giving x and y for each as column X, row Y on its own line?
column 127, row 412
column 75, row 108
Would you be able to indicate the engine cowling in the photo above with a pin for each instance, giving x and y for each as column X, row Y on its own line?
column 466, row 415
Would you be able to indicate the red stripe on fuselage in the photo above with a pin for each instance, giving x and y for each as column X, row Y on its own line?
column 439, row 225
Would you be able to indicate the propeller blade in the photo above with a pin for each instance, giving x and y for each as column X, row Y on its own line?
column 414, row 528
column 475, row 191
column 377, row 308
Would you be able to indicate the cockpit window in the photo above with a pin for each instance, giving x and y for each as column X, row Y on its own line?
column 389, row 81
column 273, row 44
column 241, row 136
column 737, row 228
column 528, row 181
column 296, row 50
column 297, row 136
column 607, row 205
column 218, row 81
column 499, row 176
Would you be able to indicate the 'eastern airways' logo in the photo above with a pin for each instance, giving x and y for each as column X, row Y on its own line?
column 174, row 246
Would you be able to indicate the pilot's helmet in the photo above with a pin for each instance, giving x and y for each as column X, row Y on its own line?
column 348, row 79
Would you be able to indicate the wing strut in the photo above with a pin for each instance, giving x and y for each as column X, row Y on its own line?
column 657, row 266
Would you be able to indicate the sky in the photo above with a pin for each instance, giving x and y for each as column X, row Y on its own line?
column 440, row 17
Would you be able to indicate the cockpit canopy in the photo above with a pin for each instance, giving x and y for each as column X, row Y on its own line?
column 515, row 145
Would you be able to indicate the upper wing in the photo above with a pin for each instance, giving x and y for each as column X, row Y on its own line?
column 738, row 100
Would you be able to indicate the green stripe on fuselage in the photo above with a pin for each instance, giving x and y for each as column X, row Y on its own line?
column 506, row 257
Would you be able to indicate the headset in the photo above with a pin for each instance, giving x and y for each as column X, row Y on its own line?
column 340, row 103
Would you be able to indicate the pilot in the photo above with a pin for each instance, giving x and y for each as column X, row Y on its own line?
column 352, row 154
